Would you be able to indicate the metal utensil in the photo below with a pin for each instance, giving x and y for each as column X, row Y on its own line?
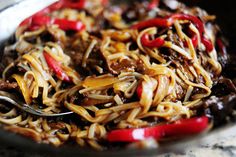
column 7, row 97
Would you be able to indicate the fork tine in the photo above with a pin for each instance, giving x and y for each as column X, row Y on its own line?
column 5, row 96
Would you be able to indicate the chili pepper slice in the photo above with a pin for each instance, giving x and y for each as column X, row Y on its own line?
column 64, row 24
column 169, row 21
column 221, row 46
column 158, row 22
column 197, row 22
column 40, row 18
column 80, row 4
column 139, row 90
column 56, row 67
column 69, row 25
column 182, row 127
column 194, row 40
column 158, row 42
column 208, row 44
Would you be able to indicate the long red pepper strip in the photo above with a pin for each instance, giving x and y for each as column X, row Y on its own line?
column 183, row 127
column 208, row 44
column 74, row 5
column 64, row 24
column 158, row 22
column 139, row 90
column 41, row 20
column 169, row 21
column 26, row 22
column 194, row 40
column 56, row 67
column 198, row 23
column 55, row 6
column 221, row 46
column 153, row 4
column 158, row 42
column 69, row 25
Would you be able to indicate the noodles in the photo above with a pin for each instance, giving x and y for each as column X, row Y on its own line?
column 86, row 55
column 112, row 73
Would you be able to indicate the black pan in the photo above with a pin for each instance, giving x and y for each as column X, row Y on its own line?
column 226, row 18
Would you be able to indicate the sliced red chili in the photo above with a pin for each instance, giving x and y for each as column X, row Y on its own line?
column 139, row 90
column 79, row 4
column 158, row 42
column 183, row 127
column 56, row 67
column 169, row 21
column 26, row 22
column 194, row 40
column 221, row 46
column 197, row 22
column 63, row 24
column 158, row 22
column 69, row 25
column 40, row 18
column 208, row 44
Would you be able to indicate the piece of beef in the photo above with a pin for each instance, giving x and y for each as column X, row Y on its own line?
column 77, row 51
column 221, row 105
column 124, row 65
column 220, row 109
column 5, row 85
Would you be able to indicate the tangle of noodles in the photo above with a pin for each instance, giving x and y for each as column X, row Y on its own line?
column 100, row 69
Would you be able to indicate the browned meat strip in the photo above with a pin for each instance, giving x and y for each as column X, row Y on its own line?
column 4, row 85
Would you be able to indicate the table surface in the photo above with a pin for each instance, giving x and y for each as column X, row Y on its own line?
column 222, row 145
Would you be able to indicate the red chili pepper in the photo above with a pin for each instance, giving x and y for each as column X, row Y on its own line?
column 69, row 25
column 26, row 22
column 221, row 46
column 40, row 17
column 158, row 22
column 56, row 67
column 183, row 127
column 74, row 4
column 194, row 39
column 153, row 4
column 208, row 44
column 41, row 20
column 64, row 24
column 139, row 90
column 169, row 21
column 158, row 42
column 197, row 22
